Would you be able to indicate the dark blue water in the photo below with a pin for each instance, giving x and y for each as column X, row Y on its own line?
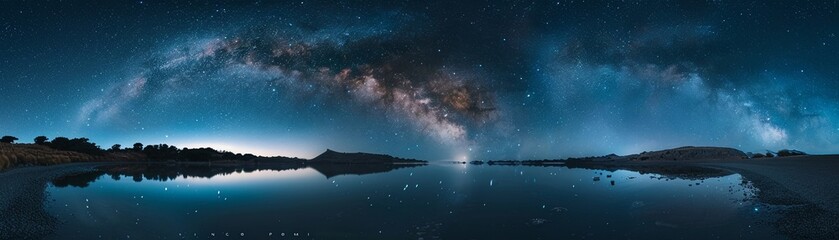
column 440, row 201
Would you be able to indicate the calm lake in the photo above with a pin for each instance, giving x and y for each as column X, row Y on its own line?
column 437, row 201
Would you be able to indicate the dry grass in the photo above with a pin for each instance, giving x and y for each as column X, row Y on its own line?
column 12, row 155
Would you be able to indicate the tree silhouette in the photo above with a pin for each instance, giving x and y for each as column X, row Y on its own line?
column 159, row 152
column 138, row 147
column 8, row 139
column 82, row 145
column 41, row 140
column 162, row 152
column 60, row 142
column 200, row 154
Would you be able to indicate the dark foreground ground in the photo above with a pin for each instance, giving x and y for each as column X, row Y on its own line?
column 808, row 184
column 807, row 188
column 22, row 194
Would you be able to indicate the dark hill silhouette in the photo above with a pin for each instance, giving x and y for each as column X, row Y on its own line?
column 330, row 156
column 665, row 162
column 690, row 154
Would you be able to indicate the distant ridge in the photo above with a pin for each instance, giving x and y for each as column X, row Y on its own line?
column 690, row 153
column 330, row 156
column 686, row 153
column 680, row 154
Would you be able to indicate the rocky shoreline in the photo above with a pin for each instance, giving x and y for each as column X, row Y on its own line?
column 803, row 185
column 22, row 197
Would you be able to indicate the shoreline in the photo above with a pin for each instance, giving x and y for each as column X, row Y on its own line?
column 803, row 186
column 22, row 197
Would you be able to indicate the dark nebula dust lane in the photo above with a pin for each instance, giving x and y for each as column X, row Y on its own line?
column 433, row 80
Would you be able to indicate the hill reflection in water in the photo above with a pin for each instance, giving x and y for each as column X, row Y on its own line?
column 163, row 172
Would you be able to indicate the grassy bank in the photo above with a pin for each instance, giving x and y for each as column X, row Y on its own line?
column 12, row 155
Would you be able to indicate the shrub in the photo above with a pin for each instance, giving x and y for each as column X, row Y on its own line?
column 41, row 140
column 8, row 139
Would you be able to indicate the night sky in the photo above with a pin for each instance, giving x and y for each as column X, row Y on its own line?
column 446, row 80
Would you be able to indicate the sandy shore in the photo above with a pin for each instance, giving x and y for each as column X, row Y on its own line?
column 806, row 183
column 811, row 178
column 22, row 196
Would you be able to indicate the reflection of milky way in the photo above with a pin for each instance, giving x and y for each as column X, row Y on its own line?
column 435, row 100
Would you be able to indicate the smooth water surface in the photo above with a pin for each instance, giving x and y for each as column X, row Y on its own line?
column 439, row 201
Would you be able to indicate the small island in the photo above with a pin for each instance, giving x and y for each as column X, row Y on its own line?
column 330, row 156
